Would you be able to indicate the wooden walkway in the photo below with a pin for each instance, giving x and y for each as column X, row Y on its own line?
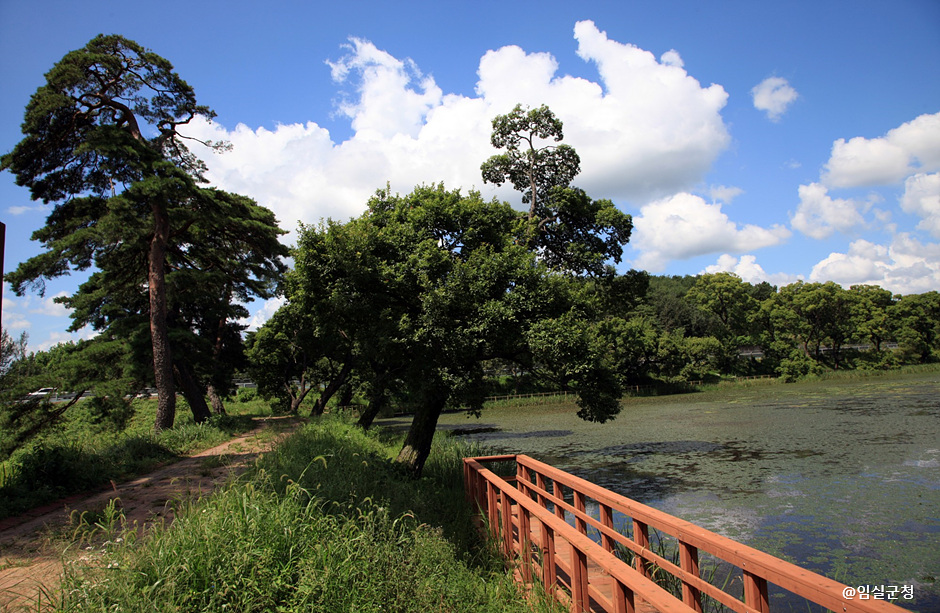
column 592, row 548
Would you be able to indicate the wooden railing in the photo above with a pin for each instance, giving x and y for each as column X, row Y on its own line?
column 576, row 537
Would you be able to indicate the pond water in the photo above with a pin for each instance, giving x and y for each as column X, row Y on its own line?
column 841, row 478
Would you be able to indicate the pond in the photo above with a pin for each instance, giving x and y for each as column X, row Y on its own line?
column 842, row 478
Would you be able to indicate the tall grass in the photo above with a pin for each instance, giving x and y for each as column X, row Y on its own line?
column 326, row 522
column 81, row 455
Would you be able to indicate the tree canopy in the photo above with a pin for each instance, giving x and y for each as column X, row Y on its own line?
column 102, row 143
column 419, row 293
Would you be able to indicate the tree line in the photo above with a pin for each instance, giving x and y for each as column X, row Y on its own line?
column 420, row 301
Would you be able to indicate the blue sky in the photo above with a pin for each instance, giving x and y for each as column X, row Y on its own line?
column 781, row 141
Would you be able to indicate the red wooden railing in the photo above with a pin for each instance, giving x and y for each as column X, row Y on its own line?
column 552, row 537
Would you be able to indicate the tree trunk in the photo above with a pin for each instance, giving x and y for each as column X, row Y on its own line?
column 192, row 391
column 346, row 396
column 159, row 336
column 214, row 397
column 331, row 389
column 376, row 402
column 417, row 447
column 217, row 405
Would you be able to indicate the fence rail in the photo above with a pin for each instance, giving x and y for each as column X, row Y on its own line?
column 568, row 534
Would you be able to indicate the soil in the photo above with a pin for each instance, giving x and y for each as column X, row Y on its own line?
column 32, row 545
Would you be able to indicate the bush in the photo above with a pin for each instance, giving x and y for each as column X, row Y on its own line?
column 246, row 394
column 797, row 366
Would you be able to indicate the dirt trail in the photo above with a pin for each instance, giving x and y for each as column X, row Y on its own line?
column 31, row 545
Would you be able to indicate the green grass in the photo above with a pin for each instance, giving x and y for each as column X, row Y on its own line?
column 82, row 455
column 326, row 522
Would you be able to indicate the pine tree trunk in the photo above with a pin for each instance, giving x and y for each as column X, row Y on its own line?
column 214, row 397
column 159, row 336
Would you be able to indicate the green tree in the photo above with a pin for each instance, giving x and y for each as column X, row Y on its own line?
column 282, row 357
column 531, row 163
column 870, row 312
column 102, row 142
column 915, row 320
column 730, row 300
column 427, row 288
column 570, row 231
column 100, row 365
column 816, row 316
column 11, row 350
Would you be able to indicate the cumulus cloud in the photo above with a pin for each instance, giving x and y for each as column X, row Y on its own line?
column 644, row 129
column 13, row 317
column 723, row 193
column 906, row 266
column 922, row 198
column 48, row 306
column 684, row 226
column 747, row 268
column 773, row 95
column 910, row 148
column 57, row 337
column 262, row 314
column 819, row 215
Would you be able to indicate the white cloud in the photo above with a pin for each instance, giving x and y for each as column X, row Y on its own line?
column 912, row 147
column 19, row 210
column 48, row 306
column 906, row 266
column 819, row 215
column 773, row 95
column 386, row 105
column 644, row 129
column 57, row 337
column 263, row 314
column 922, row 197
column 724, row 193
column 13, row 318
column 749, row 270
column 685, row 226
column 672, row 58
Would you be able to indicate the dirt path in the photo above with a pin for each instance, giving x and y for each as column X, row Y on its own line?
column 31, row 545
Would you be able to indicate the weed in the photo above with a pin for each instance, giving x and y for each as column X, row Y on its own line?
column 325, row 522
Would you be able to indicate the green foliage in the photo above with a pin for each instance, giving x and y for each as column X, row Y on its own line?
column 570, row 231
column 173, row 261
column 326, row 523
column 412, row 299
column 82, row 452
column 246, row 394
column 532, row 166
column 797, row 366
column 915, row 320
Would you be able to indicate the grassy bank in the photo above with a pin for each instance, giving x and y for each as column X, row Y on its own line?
column 83, row 453
column 325, row 522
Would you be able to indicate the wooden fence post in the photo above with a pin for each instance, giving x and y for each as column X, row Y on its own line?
column 688, row 561
column 641, row 536
column 607, row 520
column 755, row 592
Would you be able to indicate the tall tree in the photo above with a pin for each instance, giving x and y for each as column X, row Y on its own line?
column 531, row 163
column 915, row 320
column 570, row 231
column 102, row 142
